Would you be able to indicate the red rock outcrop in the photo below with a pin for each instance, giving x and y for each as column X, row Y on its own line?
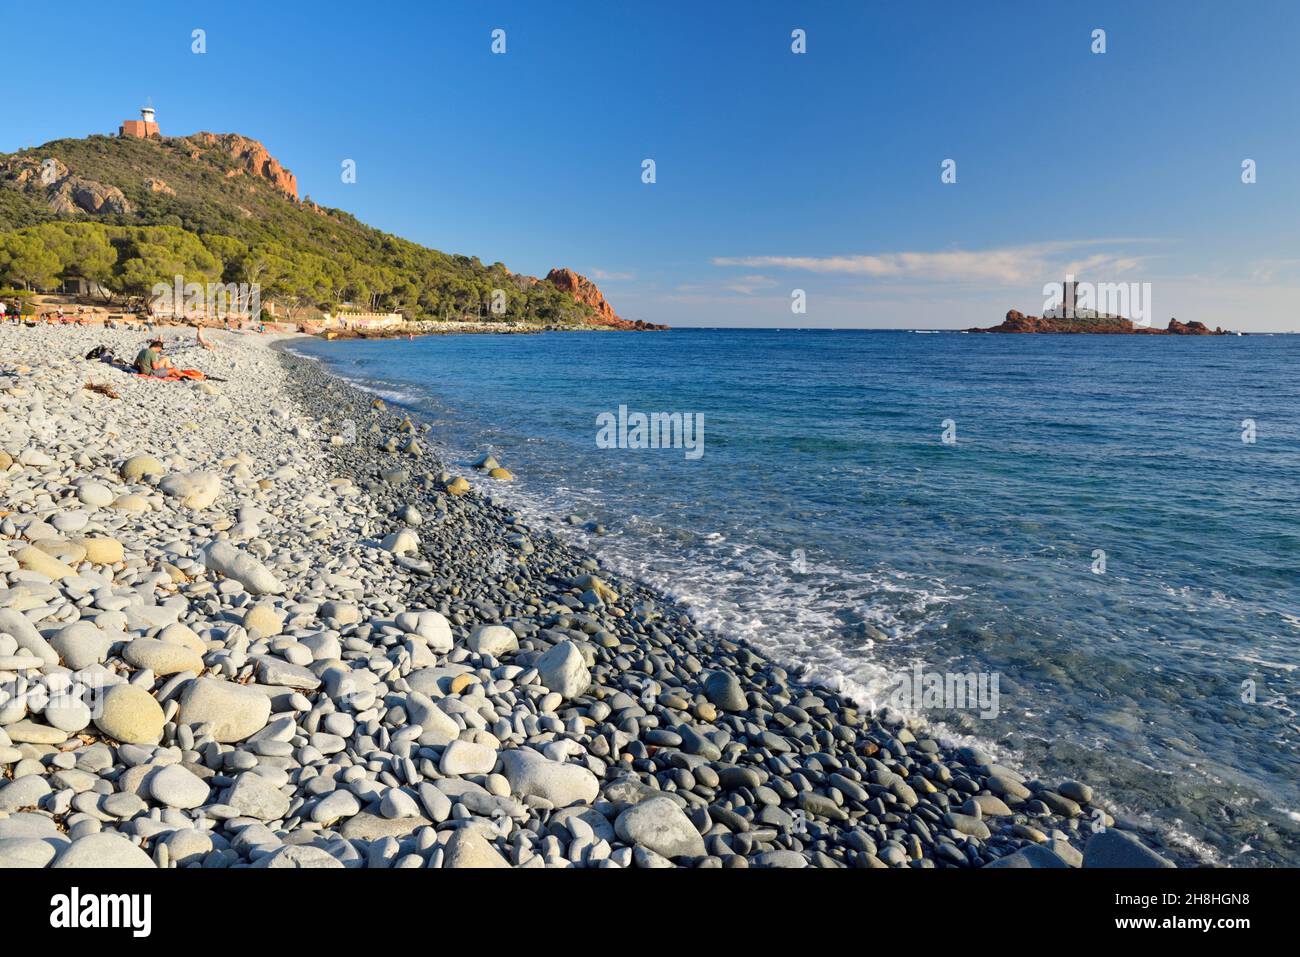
column 1193, row 328
column 252, row 157
column 584, row 290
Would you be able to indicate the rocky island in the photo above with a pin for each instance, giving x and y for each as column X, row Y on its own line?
column 1097, row 325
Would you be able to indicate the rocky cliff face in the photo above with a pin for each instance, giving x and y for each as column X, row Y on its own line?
column 1111, row 325
column 584, row 290
column 61, row 190
column 250, row 157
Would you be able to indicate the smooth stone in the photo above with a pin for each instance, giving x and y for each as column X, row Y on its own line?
column 179, row 787
column 1112, row 848
column 723, row 690
column 299, row 856
column 42, row 563
column 102, row 550
column 233, row 711
column 227, row 560
column 335, row 806
column 396, row 803
column 29, row 732
column 132, row 504
column 469, row 849
column 532, row 775
column 780, row 858
column 1066, row 852
column 138, row 466
column 439, row 727
column 187, row 846
column 1032, row 856
column 402, row 542
column 432, row 626
column 1075, row 791
column 106, row 850
column 285, row 674
column 182, row 634
column 16, row 625
column 563, row 670
column 466, row 757
column 131, row 715
column 94, row 494
column 68, row 714
column 16, row 852
column 24, row 792
column 660, row 825
column 371, row 827
column 345, row 613
column 161, row 657
column 265, row 619
column 196, row 490
column 254, row 796
column 494, row 640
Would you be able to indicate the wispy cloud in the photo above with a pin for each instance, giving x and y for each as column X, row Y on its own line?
column 748, row 285
column 1010, row 265
column 601, row 276
column 1269, row 270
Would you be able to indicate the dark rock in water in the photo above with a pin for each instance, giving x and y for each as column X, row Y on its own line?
column 724, row 690
column 1031, row 856
column 1079, row 793
column 1113, row 848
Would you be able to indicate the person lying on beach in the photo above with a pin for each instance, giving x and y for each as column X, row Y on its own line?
column 151, row 361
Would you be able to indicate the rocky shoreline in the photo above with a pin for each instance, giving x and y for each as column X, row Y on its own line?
column 258, row 623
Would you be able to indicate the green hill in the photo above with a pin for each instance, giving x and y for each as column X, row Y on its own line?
column 127, row 213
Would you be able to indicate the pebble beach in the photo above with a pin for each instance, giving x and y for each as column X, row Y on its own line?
column 264, row 622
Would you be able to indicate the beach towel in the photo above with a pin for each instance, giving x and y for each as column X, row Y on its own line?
column 173, row 374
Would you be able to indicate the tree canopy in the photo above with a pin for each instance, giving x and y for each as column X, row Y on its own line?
column 195, row 213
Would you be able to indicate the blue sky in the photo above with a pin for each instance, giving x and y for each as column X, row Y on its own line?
column 775, row 171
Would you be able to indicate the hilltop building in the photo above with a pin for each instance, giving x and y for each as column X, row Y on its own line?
column 142, row 128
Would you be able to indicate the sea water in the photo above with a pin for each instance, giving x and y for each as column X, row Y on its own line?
column 1104, row 528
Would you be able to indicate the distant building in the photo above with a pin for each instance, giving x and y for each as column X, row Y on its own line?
column 1069, row 298
column 1069, row 308
column 362, row 321
column 142, row 128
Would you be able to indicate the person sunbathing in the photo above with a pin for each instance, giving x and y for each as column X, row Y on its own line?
column 151, row 361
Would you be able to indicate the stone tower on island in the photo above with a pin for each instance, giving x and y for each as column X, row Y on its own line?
column 142, row 128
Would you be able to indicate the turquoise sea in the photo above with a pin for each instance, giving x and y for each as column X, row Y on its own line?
column 1110, row 525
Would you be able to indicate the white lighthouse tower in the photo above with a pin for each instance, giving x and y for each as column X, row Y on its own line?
column 142, row 128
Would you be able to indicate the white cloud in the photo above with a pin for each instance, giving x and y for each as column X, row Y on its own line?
column 599, row 275
column 1009, row 265
column 748, row 285
column 1270, row 270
